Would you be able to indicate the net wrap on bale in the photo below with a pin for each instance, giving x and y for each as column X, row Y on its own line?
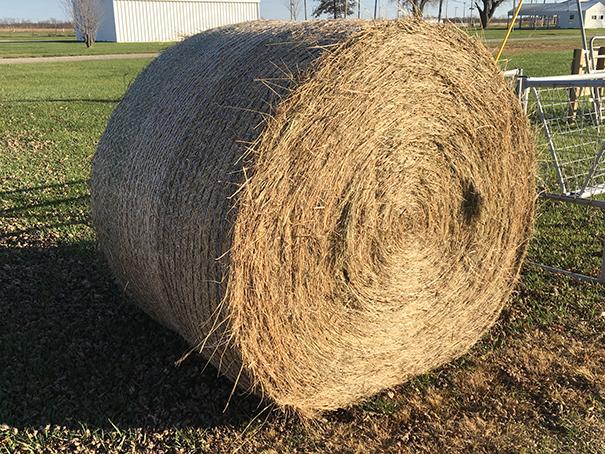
column 322, row 209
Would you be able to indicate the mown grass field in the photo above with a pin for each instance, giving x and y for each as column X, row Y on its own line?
column 49, row 44
column 535, row 34
column 82, row 370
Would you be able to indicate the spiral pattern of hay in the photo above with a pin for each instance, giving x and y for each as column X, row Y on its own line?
column 322, row 209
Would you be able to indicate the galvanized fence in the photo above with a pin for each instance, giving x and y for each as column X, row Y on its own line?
column 569, row 112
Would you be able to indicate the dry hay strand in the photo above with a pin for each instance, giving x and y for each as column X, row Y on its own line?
column 322, row 209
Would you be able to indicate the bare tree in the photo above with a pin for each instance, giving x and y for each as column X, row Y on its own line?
column 293, row 8
column 335, row 8
column 415, row 7
column 489, row 8
column 86, row 16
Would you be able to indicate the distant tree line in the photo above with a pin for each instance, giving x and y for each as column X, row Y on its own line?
column 10, row 22
column 338, row 9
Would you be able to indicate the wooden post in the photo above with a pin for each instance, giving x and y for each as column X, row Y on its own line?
column 574, row 93
column 600, row 59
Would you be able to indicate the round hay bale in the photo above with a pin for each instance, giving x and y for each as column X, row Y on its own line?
column 322, row 209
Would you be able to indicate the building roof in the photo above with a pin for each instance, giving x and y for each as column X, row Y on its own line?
column 554, row 9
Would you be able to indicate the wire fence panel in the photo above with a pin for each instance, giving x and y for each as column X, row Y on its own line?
column 572, row 138
column 569, row 117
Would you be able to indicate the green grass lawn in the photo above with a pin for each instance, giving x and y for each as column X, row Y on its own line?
column 72, row 47
column 540, row 63
column 35, row 44
column 552, row 33
column 83, row 370
column 33, row 34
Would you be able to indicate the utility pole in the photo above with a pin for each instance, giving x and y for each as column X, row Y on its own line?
column 375, row 8
column 358, row 9
column 446, row 5
column 464, row 12
column 305, row 5
column 438, row 16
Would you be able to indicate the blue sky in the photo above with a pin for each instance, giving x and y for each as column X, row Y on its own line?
column 36, row 10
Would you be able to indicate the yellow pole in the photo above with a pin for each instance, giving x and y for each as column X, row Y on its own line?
column 510, row 29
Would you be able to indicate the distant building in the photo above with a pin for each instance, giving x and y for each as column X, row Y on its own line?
column 169, row 20
column 561, row 15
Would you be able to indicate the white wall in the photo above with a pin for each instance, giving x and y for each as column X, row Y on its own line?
column 597, row 10
column 170, row 20
column 595, row 16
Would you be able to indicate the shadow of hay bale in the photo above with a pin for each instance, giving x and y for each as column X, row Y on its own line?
column 73, row 352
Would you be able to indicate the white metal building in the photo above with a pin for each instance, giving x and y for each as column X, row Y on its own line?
column 169, row 20
column 562, row 14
